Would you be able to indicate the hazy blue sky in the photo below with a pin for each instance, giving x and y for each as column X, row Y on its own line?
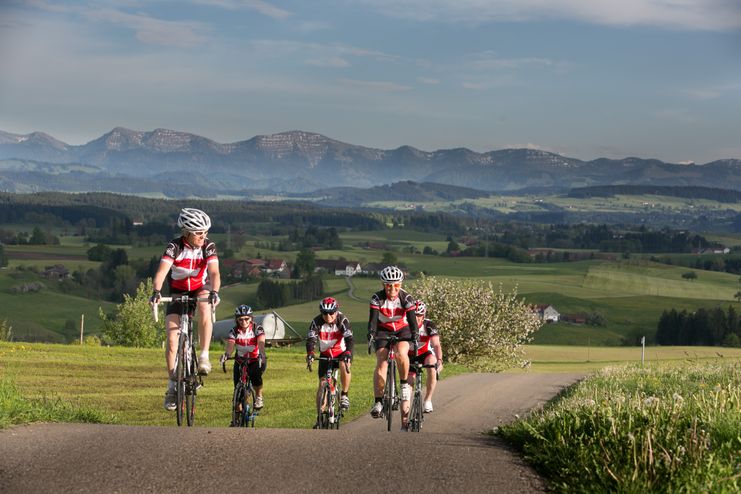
column 584, row 78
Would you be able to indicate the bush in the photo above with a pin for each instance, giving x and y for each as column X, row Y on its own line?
column 132, row 324
column 486, row 331
column 6, row 331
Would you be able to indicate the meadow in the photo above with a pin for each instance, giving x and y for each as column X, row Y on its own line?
column 628, row 294
column 126, row 385
column 663, row 427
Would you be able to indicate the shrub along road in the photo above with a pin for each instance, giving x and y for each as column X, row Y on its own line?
column 449, row 455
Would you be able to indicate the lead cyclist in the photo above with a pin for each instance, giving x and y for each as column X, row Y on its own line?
column 193, row 265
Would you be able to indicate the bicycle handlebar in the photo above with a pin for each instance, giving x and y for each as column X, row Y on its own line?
column 183, row 298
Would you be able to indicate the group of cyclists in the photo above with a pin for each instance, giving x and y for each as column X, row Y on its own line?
column 192, row 264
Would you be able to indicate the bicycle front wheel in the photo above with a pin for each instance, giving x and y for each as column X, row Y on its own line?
column 248, row 407
column 415, row 415
column 337, row 409
column 391, row 393
column 180, row 373
column 325, row 403
column 191, row 388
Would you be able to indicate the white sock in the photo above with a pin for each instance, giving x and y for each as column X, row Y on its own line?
column 204, row 355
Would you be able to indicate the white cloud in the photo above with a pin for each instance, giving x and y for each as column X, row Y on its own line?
column 330, row 62
column 315, row 51
column 376, row 86
column 154, row 31
column 260, row 6
column 428, row 80
column 713, row 15
column 712, row 92
column 490, row 61
column 476, row 86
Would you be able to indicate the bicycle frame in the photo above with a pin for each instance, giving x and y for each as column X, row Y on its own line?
column 391, row 399
column 416, row 412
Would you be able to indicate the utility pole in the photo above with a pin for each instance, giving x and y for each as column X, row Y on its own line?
column 643, row 349
column 82, row 326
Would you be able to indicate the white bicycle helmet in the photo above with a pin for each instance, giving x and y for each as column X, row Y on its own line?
column 421, row 308
column 194, row 220
column 391, row 274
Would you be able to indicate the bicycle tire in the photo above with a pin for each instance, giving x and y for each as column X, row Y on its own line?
column 191, row 388
column 338, row 409
column 324, row 407
column 249, row 407
column 237, row 399
column 415, row 415
column 391, row 382
column 180, row 384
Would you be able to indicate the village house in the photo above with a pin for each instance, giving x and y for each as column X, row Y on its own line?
column 547, row 313
column 57, row 272
column 338, row 268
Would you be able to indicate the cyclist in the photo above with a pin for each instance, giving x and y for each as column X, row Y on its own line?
column 392, row 313
column 430, row 352
column 331, row 329
column 249, row 340
column 193, row 268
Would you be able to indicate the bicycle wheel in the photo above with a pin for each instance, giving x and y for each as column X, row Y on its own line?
column 415, row 415
column 325, row 404
column 191, row 387
column 248, row 407
column 338, row 409
column 237, row 405
column 180, row 373
column 391, row 386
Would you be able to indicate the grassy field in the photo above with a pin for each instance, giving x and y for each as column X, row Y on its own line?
column 665, row 427
column 127, row 384
column 629, row 294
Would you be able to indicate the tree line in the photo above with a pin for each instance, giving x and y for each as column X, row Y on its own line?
column 703, row 327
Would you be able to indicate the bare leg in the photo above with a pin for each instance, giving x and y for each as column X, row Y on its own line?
column 345, row 377
column 380, row 378
column 205, row 326
column 172, row 323
column 431, row 377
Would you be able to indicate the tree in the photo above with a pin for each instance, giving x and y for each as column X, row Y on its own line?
column 305, row 262
column 3, row 257
column 99, row 252
column 132, row 324
column 689, row 276
column 485, row 335
column 737, row 296
column 389, row 259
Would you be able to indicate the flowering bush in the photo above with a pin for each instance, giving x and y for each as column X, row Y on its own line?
column 480, row 327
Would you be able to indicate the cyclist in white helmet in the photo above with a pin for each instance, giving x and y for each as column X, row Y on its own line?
column 193, row 266
column 429, row 353
column 392, row 312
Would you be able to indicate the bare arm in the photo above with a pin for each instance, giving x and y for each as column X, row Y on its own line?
column 161, row 274
column 214, row 276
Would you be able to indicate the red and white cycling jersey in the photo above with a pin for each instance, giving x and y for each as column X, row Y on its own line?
column 331, row 337
column 245, row 341
column 189, row 264
column 392, row 313
column 426, row 332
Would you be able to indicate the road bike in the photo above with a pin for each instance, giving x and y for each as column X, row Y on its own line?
column 243, row 399
column 416, row 411
column 186, row 364
column 391, row 398
column 330, row 411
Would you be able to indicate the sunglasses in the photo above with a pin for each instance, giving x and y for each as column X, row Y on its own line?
column 198, row 234
column 246, row 318
column 392, row 285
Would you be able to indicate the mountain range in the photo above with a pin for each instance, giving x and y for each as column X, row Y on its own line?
column 182, row 164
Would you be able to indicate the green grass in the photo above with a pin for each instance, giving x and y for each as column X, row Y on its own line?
column 17, row 409
column 129, row 383
column 632, row 429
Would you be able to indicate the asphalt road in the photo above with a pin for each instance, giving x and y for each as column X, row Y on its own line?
column 450, row 454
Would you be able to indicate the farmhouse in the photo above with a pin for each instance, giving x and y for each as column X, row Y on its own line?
column 547, row 313
column 338, row 268
column 56, row 272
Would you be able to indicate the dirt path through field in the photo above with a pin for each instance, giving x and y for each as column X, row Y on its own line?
column 449, row 455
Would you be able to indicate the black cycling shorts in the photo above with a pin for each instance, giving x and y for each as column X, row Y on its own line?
column 176, row 307
column 253, row 370
column 404, row 334
column 323, row 364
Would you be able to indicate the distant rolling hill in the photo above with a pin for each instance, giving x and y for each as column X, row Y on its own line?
column 125, row 160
